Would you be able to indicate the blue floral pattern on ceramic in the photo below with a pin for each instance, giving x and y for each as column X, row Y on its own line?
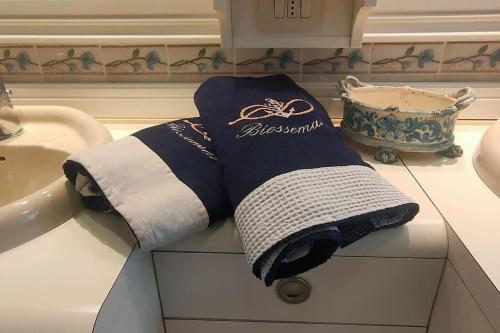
column 283, row 59
column 22, row 59
column 216, row 59
column 476, row 60
column 151, row 59
column 392, row 129
column 406, row 130
column 423, row 57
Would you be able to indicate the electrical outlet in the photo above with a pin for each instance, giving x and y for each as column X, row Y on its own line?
column 293, row 8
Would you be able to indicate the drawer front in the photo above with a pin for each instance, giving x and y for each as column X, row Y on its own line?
column 200, row 326
column 354, row 290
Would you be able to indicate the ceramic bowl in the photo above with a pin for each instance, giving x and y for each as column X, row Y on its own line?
column 401, row 118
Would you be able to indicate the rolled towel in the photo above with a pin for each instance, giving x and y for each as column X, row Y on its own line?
column 298, row 190
column 164, row 181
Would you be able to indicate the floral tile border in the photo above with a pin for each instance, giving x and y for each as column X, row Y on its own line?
column 471, row 57
column 454, row 61
column 268, row 61
column 406, row 58
column 18, row 60
column 200, row 59
column 336, row 61
column 133, row 59
column 70, row 60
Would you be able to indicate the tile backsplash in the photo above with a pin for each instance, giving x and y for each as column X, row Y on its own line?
column 69, row 60
column 263, row 61
column 129, row 63
column 144, row 59
column 19, row 60
column 406, row 58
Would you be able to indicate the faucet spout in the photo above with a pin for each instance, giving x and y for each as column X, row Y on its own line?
column 10, row 126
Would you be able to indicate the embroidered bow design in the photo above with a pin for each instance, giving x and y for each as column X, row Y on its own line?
column 199, row 129
column 274, row 108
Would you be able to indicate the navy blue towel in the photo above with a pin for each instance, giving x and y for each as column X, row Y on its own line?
column 164, row 181
column 298, row 190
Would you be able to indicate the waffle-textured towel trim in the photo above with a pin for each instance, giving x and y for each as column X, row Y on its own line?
column 319, row 198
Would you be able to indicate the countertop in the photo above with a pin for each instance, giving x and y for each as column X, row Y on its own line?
column 58, row 281
column 472, row 213
column 449, row 187
column 63, row 277
column 471, row 209
column 424, row 237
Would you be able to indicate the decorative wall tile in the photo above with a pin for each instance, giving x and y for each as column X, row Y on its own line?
column 453, row 61
column 267, row 61
column 18, row 60
column 200, row 59
column 471, row 57
column 406, row 58
column 70, row 60
column 143, row 59
column 336, row 61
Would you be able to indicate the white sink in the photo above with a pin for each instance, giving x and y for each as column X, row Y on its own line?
column 487, row 158
column 34, row 196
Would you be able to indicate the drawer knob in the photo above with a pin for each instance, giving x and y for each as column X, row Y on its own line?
column 293, row 290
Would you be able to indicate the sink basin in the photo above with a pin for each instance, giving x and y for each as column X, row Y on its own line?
column 26, row 169
column 34, row 195
column 487, row 158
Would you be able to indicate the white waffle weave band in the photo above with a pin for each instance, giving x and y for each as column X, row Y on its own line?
column 300, row 199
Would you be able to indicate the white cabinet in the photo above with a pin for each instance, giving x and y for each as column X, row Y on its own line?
column 388, row 279
column 456, row 311
column 377, row 291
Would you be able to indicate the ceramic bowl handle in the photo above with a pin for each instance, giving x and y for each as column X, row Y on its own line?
column 345, row 86
column 463, row 98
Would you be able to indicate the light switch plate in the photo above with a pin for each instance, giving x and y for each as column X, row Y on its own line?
column 292, row 8
column 292, row 21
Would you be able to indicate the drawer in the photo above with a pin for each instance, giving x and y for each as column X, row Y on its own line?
column 200, row 326
column 352, row 290
column 424, row 237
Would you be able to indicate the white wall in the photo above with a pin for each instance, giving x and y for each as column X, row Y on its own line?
column 194, row 21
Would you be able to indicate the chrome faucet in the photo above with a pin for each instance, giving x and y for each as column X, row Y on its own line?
column 10, row 126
